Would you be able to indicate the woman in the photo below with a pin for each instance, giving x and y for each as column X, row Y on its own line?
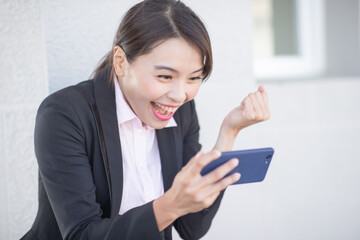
column 118, row 155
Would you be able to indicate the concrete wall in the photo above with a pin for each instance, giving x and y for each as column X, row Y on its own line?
column 311, row 190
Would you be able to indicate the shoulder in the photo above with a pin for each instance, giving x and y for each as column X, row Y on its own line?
column 78, row 96
column 69, row 106
column 81, row 93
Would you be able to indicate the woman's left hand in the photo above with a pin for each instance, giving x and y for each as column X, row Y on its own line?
column 253, row 109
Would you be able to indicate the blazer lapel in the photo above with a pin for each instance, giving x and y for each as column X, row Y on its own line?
column 109, row 137
column 169, row 141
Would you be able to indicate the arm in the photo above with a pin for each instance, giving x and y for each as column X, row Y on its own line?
column 68, row 180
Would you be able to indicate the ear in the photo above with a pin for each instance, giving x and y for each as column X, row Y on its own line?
column 119, row 61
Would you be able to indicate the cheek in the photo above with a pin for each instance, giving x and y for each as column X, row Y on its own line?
column 152, row 90
column 192, row 91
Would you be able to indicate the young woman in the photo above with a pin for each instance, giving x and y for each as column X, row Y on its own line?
column 118, row 155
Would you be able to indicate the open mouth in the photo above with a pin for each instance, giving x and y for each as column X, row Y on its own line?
column 163, row 112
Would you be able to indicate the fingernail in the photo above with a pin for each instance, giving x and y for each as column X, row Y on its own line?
column 234, row 162
column 237, row 176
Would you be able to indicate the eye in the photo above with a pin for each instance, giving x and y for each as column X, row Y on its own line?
column 166, row 77
column 195, row 78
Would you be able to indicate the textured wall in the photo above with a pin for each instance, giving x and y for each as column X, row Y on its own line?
column 77, row 35
column 23, row 84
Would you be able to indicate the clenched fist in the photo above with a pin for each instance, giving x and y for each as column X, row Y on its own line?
column 253, row 109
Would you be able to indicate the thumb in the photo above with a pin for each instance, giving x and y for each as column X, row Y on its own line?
column 261, row 89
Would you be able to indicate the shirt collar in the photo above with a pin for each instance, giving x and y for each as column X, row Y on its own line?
column 124, row 112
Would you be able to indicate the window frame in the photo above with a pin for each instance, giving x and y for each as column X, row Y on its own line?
column 310, row 62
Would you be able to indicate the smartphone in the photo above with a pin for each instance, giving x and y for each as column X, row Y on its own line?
column 253, row 164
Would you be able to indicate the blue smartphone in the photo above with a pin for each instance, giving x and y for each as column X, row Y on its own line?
column 253, row 164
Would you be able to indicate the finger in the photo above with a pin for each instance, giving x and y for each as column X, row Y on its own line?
column 248, row 107
column 242, row 105
column 218, row 173
column 224, row 183
column 209, row 198
column 266, row 103
column 261, row 102
column 261, row 88
column 264, row 96
column 256, row 105
column 199, row 161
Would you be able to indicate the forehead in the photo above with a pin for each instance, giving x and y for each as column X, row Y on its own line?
column 176, row 53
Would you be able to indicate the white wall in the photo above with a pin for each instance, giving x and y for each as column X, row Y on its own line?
column 311, row 190
column 77, row 36
column 23, row 84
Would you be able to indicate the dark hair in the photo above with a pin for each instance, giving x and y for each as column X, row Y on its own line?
column 151, row 22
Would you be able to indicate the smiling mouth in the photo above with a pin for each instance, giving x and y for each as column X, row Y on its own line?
column 163, row 112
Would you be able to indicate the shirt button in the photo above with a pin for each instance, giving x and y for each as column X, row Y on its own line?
column 139, row 130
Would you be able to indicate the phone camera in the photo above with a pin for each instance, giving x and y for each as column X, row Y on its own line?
column 268, row 156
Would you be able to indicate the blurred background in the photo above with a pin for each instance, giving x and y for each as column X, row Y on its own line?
column 305, row 52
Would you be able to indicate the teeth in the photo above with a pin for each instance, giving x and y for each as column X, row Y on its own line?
column 167, row 109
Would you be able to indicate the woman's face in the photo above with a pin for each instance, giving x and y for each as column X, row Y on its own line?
column 156, row 84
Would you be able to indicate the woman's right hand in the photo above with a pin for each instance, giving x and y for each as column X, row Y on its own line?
column 192, row 192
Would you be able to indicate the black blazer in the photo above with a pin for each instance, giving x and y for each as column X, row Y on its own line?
column 77, row 147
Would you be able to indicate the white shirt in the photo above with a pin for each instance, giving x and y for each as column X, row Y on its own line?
column 142, row 177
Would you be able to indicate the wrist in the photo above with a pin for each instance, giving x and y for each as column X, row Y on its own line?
column 226, row 138
column 226, row 130
column 165, row 211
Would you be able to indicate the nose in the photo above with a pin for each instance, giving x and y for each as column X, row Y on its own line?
column 177, row 92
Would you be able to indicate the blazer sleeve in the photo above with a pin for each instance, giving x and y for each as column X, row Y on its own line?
column 194, row 225
column 67, row 177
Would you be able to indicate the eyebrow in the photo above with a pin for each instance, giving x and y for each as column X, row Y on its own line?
column 161, row 67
